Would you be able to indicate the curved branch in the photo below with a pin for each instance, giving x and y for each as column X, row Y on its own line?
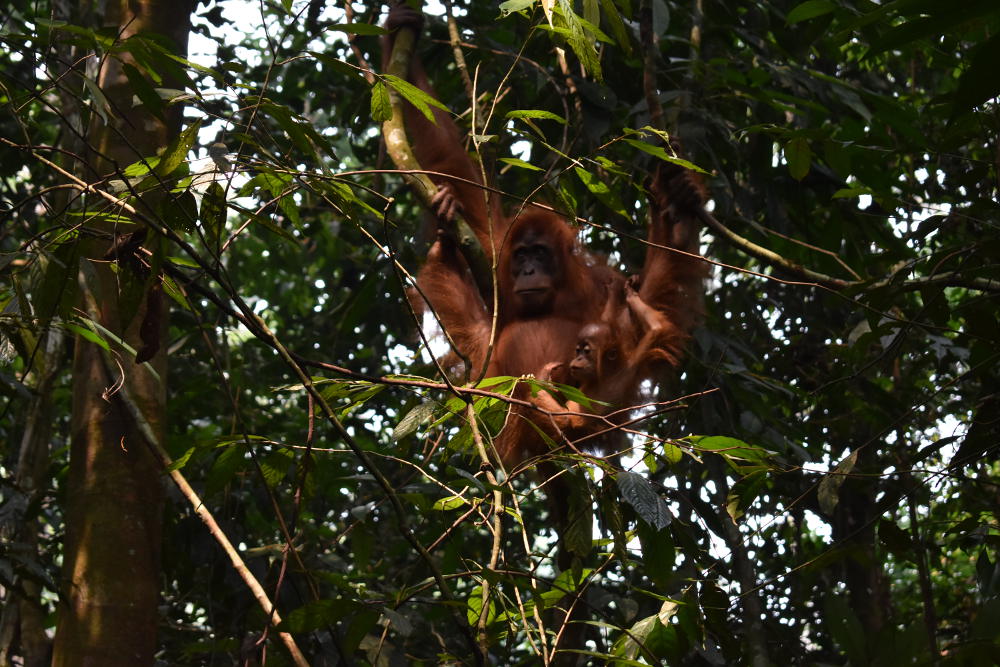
column 397, row 145
column 948, row 279
column 770, row 257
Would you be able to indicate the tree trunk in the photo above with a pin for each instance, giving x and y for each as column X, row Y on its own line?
column 854, row 521
column 110, row 588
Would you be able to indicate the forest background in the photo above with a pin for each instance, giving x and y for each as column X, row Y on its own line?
column 221, row 437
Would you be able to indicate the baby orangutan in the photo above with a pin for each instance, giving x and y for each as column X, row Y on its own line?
column 608, row 365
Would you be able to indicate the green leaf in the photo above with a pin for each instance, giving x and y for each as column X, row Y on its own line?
column 651, row 637
column 614, row 17
column 535, row 114
column 398, row 621
column 657, row 151
column 742, row 494
column 574, row 394
column 213, row 215
column 420, row 99
column 230, row 461
column 182, row 460
column 511, row 6
column 413, row 419
column 92, row 38
column 730, row 448
column 474, row 608
column 809, row 10
column 569, row 581
column 515, row 162
column 99, row 103
column 798, row 155
column 501, row 384
column 672, row 453
column 179, row 211
column 298, row 129
column 265, row 222
column 578, row 534
column 356, row 393
column 580, row 39
column 336, row 65
column 851, row 193
column 144, row 90
column 933, row 19
column 176, row 153
column 171, row 290
column 276, row 465
column 658, row 554
column 287, row 205
column 59, row 286
column 363, row 623
column 318, row 614
column 381, row 107
column 601, row 191
column 88, row 335
column 449, row 503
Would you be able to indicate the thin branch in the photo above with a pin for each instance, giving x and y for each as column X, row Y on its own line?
column 769, row 256
column 482, row 625
column 456, row 48
column 753, row 627
column 397, row 145
column 923, row 574
column 947, row 279
column 352, row 40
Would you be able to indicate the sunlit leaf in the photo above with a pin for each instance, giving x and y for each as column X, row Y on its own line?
column 420, row 99
column 381, row 107
column 828, row 491
column 515, row 162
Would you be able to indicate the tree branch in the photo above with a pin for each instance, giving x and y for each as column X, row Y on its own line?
column 771, row 258
column 397, row 145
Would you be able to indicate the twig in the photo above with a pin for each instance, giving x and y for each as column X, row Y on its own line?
column 924, row 577
column 946, row 279
column 769, row 256
column 366, row 68
column 456, row 41
column 496, row 529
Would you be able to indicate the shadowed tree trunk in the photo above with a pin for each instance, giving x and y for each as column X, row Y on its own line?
column 110, row 588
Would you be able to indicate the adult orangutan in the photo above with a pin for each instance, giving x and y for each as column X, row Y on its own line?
column 549, row 287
